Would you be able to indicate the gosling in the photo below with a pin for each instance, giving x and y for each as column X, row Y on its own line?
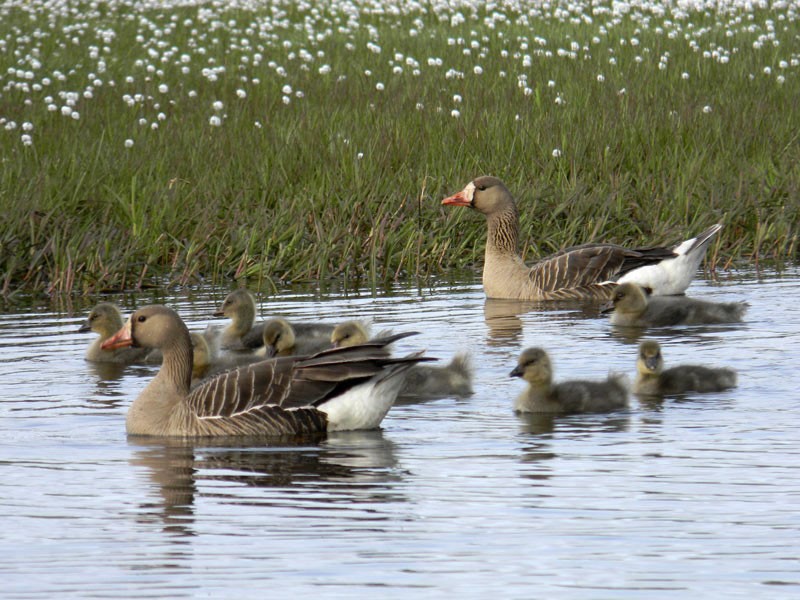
column 632, row 307
column 282, row 338
column 422, row 382
column 567, row 397
column 106, row 319
column 653, row 380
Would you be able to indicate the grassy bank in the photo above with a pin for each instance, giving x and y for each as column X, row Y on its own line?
column 195, row 143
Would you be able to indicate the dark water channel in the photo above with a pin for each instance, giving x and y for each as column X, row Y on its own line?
column 697, row 496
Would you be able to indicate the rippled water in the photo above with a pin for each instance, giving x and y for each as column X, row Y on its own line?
column 694, row 497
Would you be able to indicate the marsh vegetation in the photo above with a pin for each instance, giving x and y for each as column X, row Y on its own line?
column 167, row 143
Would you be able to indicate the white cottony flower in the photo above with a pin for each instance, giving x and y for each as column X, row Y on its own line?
column 27, row 126
column 601, row 78
column 287, row 89
column 455, row 114
column 556, row 153
column 456, row 98
column 706, row 109
column 129, row 143
column 241, row 93
column 379, row 86
column 163, row 88
column 215, row 121
column 217, row 105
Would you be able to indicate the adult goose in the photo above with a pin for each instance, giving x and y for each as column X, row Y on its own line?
column 568, row 397
column 653, row 380
column 422, row 382
column 350, row 388
column 588, row 271
column 105, row 319
column 631, row 306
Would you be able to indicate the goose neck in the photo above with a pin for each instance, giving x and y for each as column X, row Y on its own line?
column 503, row 228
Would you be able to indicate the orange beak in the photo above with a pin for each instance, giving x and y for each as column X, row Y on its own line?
column 459, row 199
column 121, row 339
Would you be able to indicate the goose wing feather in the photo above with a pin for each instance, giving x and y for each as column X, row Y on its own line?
column 243, row 389
column 585, row 270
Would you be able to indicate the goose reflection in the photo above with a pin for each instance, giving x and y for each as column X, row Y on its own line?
column 694, row 334
column 572, row 426
column 316, row 464
column 503, row 316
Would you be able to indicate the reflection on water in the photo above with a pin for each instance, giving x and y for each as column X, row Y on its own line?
column 700, row 334
column 348, row 467
column 460, row 488
column 503, row 317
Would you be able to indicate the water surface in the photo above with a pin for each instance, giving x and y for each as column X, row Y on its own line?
column 695, row 496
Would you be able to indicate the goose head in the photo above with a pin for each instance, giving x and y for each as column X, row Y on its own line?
column 347, row 334
column 628, row 298
column 534, row 367
column 239, row 305
column 153, row 326
column 278, row 336
column 650, row 361
column 486, row 194
column 104, row 319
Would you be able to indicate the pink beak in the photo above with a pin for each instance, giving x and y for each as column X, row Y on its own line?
column 121, row 339
column 459, row 199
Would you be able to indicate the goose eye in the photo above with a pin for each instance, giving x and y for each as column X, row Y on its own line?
column 481, row 187
column 141, row 318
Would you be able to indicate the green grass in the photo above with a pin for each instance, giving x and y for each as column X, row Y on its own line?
column 345, row 183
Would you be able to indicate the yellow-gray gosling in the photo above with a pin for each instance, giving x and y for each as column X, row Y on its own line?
column 567, row 397
column 632, row 306
column 423, row 382
column 653, row 379
column 242, row 332
column 105, row 319
column 282, row 338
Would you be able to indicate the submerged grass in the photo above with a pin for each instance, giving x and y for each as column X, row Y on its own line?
column 341, row 127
